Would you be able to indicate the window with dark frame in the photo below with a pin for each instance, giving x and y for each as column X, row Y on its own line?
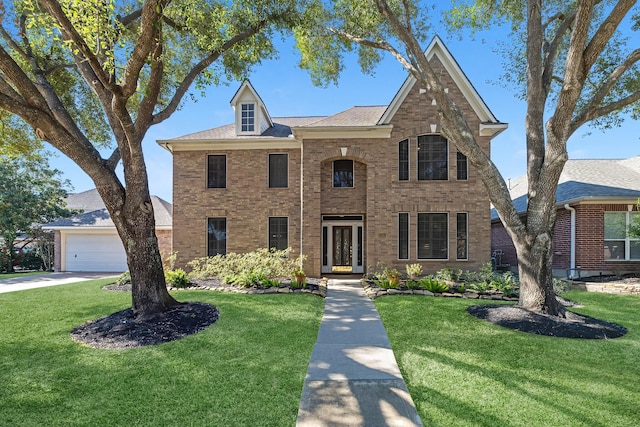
column 432, row 236
column 462, row 235
column 403, row 160
column 216, row 236
column 343, row 173
column 462, row 167
column 433, row 158
column 278, row 170
column 216, row 171
column 403, row 235
column 248, row 118
column 278, row 233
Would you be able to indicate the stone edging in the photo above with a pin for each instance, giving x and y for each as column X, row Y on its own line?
column 607, row 288
column 319, row 290
column 374, row 292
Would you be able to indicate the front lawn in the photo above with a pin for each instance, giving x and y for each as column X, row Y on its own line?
column 20, row 274
column 247, row 369
column 462, row 371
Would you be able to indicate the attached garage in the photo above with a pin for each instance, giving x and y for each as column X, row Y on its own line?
column 89, row 241
column 101, row 252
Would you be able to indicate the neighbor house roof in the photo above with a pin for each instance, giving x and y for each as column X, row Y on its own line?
column 581, row 180
column 95, row 215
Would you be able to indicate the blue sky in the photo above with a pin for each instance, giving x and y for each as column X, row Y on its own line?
column 288, row 91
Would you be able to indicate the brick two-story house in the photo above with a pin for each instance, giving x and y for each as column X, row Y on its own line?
column 368, row 185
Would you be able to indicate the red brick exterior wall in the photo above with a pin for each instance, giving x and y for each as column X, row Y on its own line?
column 589, row 241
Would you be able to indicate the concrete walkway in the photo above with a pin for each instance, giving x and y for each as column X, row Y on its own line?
column 48, row 279
column 353, row 378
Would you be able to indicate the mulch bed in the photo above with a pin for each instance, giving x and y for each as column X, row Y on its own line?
column 123, row 330
column 572, row 326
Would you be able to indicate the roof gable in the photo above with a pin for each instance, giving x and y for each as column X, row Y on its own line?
column 490, row 125
column 247, row 94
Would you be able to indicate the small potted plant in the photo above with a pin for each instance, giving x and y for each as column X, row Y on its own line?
column 299, row 276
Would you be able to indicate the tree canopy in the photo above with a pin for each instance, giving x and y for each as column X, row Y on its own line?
column 570, row 61
column 31, row 194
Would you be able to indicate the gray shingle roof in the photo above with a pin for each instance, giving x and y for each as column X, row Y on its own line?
column 354, row 116
column 95, row 214
column 281, row 129
column 587, row 179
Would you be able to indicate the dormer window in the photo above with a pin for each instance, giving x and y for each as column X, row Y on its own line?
column 248, row 118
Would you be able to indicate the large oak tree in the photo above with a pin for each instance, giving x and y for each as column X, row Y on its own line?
column 90, row 75
column 573, row 64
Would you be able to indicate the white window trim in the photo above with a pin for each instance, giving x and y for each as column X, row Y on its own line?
column 448, row 237
column 255, row 119
column 627, row 239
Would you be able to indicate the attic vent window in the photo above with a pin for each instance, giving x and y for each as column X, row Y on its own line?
column 248, row 118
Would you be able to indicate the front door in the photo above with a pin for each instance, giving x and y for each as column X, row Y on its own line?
column 342, row 248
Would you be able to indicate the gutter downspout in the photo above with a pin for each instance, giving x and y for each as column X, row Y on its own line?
column 572, row 242
column 301, row 200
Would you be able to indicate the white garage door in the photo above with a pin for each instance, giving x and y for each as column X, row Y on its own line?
column 95, row 253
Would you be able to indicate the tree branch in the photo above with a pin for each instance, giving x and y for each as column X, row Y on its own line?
column 201, row 66
column 605, row 31
column 70, row 34
column 593, row 109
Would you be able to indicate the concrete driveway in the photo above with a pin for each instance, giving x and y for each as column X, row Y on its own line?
column 48, row 279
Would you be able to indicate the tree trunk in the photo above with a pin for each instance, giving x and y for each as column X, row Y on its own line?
column 536, row 278
column 135, row 223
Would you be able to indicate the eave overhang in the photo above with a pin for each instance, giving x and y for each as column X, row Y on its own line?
column 343, row 132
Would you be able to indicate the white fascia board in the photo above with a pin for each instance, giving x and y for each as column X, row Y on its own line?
column 89, row 229
column 231, row 144
column 492, row 129
column 344, row 132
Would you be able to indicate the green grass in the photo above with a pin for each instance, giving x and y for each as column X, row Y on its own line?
column 20, row 274
column 462, row 371
column 245, row 370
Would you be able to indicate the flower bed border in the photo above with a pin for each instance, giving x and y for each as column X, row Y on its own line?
column 374, row 292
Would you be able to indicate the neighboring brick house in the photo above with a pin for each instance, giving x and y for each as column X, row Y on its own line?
column 368, row 185
column 89, row 241
column 596, row 200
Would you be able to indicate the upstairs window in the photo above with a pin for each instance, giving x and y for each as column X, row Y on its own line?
column 278, row 170
column 403, row 160
column 433, row 154
column 462, row 167
column 247, row 118
column 343, row 173
column 618, row 245
column 217, row 171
